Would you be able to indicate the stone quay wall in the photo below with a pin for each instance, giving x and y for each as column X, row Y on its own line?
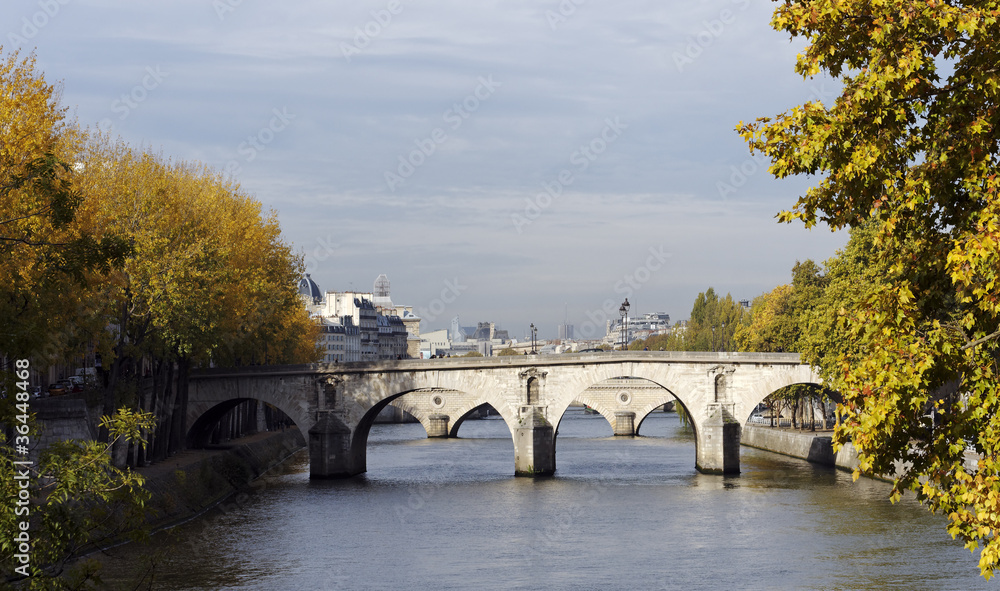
column 184, row 485
column 802, row 445
column 187, row 485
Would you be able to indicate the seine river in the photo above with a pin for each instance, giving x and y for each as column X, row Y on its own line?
column 619, row 514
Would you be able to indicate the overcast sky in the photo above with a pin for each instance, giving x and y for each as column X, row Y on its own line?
column 506, row 161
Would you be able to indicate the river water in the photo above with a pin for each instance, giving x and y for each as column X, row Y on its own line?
column 621, row 513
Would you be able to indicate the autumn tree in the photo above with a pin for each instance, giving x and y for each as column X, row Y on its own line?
column 657, row 342
column 158, row 265
column 44, row 256
column 209, row 280
column 909, row 148
column 713, row 323
column 77, row 497
column 773, row 325
column 778, row 322
column 852, row 276
column 81, row 501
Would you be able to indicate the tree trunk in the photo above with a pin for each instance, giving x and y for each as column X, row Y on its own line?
column 179, row 428
column 108, row 401
column 161, row 408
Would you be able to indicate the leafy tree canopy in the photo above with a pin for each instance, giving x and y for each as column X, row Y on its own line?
column 909, row 150
column 149, row 262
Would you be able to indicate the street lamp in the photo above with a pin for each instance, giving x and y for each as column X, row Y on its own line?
column 534, row 331
column 623, row 312
column 725, row 345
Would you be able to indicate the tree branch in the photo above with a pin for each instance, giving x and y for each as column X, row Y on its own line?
column 980, row 341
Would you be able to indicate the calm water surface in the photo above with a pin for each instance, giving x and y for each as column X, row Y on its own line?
column 619, row 514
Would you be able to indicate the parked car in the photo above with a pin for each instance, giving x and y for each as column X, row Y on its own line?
column 57, row 389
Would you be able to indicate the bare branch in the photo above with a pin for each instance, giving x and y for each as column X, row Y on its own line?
column 982, row 340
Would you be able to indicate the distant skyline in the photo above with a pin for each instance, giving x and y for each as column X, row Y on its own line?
column 500, row 161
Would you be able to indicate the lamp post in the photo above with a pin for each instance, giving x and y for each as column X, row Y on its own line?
column 621, row 315
column 623, row 312
column 534, row 331
column 725, row 345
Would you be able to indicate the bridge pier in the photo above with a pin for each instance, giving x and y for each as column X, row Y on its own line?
column 330, row 454
column 437, row 425
column 624, row 423
column 534, row 444
column 718, row 440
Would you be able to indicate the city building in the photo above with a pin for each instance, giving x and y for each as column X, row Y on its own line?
column 484, row 338
column 382, row 329
column 639, row 326
column 434, row 341
column 340, row 340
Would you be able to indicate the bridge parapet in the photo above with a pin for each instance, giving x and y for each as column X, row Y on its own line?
column 560, row 359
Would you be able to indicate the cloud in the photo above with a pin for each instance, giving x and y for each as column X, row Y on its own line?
column 678, row 75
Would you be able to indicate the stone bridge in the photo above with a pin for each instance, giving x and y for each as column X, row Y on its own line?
column 337, row 404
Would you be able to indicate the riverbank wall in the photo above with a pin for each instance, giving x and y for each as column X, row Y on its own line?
column 803, row 445
column 194, row 481
column 816, row 448
column 187, row 483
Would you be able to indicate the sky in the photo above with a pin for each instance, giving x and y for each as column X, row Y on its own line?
column 509, row 161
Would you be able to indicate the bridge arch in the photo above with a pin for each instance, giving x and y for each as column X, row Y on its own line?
column 758, row 396
column 414, row 403
column 211, row 397
column 624, row 401
column 639, row 406
column 835, row 396
column 594, row 403
column 426, row 404
column 461, row 419
column 642, row 415
column 202, row 431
